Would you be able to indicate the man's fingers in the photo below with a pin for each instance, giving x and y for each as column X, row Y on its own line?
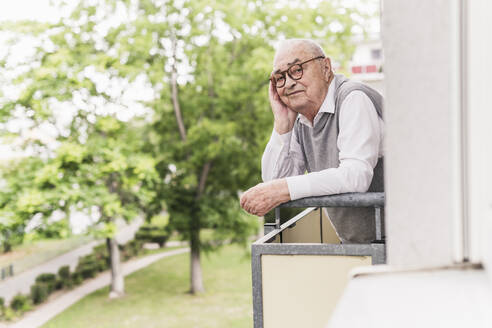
column 244, row 198
column 270, row 89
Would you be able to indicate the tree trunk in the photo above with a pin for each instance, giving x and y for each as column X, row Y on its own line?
column 196, row 268
column 174, row 90
column 117, row 282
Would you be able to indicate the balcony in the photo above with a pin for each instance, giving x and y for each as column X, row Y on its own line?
column 300, row 268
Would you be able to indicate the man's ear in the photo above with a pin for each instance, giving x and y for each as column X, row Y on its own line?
column 327, row 69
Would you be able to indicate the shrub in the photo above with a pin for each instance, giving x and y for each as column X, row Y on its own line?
column 20, row 303
column 39, row 292
column 59, row 284
column 102, row 264
column 63, row 277
column 152, row 234
column 87, row 271
column 68, row 284
column 64, row 272
column 101, row 251
column 87, row 259
column 135, row 246
column 76, row 279
column 49, row 279
column 88, row 266
column 8, row 314
column 2, row 306
column 132, row 249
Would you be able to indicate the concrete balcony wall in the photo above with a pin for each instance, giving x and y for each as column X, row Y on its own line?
column 423, row 132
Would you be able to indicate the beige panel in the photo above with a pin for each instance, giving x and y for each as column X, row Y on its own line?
column 307, row 230
column 302, row 290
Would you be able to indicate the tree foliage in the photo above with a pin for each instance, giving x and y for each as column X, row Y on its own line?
column 206, row 66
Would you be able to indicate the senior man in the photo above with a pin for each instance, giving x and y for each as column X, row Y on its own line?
column 326, row 125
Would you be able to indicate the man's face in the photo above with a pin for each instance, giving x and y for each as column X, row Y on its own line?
column 310, row 90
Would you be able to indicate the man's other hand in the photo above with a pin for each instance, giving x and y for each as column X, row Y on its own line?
column 263, row 197
column 284, row 117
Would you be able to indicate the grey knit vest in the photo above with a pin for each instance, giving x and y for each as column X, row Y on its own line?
column 319, row 147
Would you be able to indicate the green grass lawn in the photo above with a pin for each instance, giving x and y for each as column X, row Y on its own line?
column 32, row 253
column 156, row 296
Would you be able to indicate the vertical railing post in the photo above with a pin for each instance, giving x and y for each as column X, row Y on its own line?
column 277, row 221
column 377, row 222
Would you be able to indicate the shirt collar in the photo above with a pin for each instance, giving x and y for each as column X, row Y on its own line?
column 328, row 105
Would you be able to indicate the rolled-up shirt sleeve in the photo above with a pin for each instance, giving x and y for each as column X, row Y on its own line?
column 282, row 157
column 359, row 144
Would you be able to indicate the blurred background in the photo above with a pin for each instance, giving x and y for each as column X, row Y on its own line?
column 128, row 130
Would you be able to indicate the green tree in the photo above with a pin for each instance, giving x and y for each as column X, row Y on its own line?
column 209, row 63
column 19, row 200
column 94, row 161
column 106, row 176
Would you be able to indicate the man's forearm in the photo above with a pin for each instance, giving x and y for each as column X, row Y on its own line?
column 350, row 176
column 263, row 197
column 276, row 148
column 282, row 127
column 282, row 157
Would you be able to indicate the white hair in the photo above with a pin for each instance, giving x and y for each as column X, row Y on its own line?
column 309, row 45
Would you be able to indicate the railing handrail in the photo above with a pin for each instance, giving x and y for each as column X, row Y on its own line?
column 355, row 199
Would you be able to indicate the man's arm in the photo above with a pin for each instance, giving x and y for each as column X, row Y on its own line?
column 359, row 143
column 282, row 157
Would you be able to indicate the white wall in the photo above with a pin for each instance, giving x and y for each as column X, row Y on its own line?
column 423, row 153
column 479, row 129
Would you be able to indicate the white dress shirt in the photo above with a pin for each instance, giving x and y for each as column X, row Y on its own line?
column 360, row 143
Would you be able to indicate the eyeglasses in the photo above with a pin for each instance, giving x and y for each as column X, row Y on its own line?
column 294, row 71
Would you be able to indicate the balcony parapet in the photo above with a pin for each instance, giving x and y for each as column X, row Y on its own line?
column 302, row 258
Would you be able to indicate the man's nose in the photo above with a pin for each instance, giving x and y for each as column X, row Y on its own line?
column 289, row 82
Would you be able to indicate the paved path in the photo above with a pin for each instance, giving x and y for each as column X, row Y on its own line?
column 22, row 283
column 45, row 312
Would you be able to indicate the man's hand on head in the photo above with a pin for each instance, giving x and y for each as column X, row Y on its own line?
column 263, row 197
column 284, row 117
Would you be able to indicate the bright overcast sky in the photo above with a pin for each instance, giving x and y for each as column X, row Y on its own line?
column 42, row 10
column 27, row 9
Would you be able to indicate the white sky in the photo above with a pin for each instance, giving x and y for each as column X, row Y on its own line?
column 42, row 10
column 27, row 9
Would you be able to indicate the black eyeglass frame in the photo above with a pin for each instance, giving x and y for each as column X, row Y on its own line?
column 274, row 81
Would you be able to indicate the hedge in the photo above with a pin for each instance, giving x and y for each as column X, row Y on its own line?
column 88, row 266
column 49, row 279
column 64, row 279
column 152, row 234
column 39, row 292
column 20, row 303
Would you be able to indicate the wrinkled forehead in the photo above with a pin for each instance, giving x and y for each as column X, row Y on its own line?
column 288, row 55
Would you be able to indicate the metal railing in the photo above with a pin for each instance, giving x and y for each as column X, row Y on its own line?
column 368, row 199
column 267, row 245
column 7, row 271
